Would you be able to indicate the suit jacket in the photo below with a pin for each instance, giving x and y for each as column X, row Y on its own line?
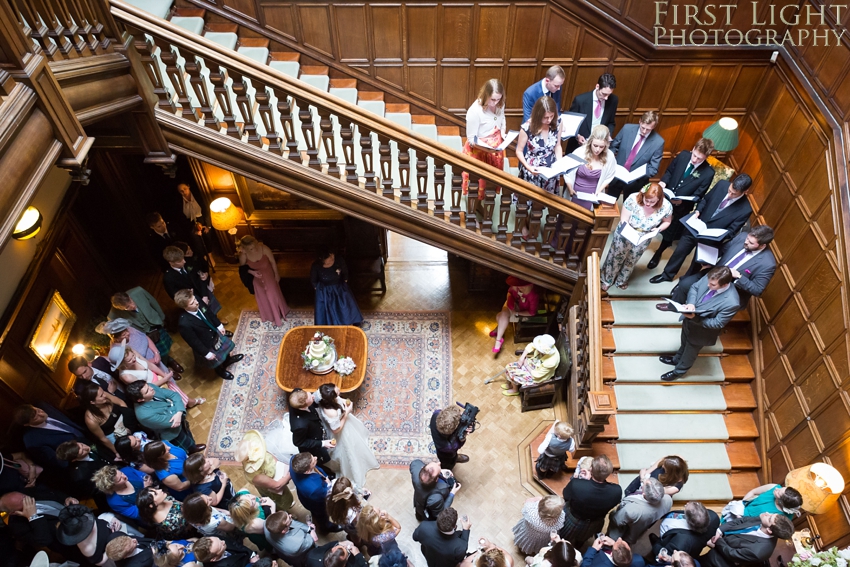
column 695, row 185
column 649, row 153
column 149, row 312
column 530, row 96
column 197, row 334
column 428, row 502
column 41, row 532
column 689, row 541
column 240, row 556
column 739, row 549
column 439, row 549
column 175, row 280
column 142, row 559
column 80, row 476
column 41, row 443
column 593, row 558
column 307, row 430
column 157, row 243
column 315, row 558
column 756, row 273
column 704, row 328
column 156, row 414
column 312, row 488
column 732, row 218
column 584, row 103
column 635, row 515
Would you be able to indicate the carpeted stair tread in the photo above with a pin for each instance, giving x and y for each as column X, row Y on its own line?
column 700, row 486
column 227, row 40
column 158, row 8
column 650, row 369
column 700, row 456
column 635, row 340
column 194, row 24
column 685, row 397
column 642, row 312
column 639, row 285
column 671, row 427
column 289, row 68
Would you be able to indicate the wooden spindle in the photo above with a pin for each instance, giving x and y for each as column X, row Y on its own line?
column 198, row 82
column 457, row 195
column 175, row 75
column 404, row 174
column 439, row 190
column 246, row 108
column 368, row 155
column 264, row 109
column 346, row 132
column 504, row 215
column 386, row 163
column 326, row 125
column 308, row 129
column 218, row 78
column 146, row 49
column 284, row 110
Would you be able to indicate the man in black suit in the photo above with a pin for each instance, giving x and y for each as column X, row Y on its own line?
column 684, row 530
column 599, row 106
column 750, row 259
column 202, row 331
column 211, row 552
column 98, row 371
column 35, row 523
column 747, row 541
column 177, row 275
column 160, row 235
column 712, row 302
column 726, row 207
column 587, row 500
column 433, row 489
column 128, row 551
column 83, row 462
column 688, row 175
column 335, row 554
column 442, row 545
column 45, row 428
column 308, row 434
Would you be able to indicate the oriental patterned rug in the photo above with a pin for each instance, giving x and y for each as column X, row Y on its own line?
column 408, row 376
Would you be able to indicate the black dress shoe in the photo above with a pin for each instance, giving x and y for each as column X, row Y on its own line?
column 228, row 334
column 670, row 376
column 667, row 360
column 177, row 377
column 175, row 366
column 226, row 375
column 660, row 278
column 653, row 263
column 663, row 307
column 461, row 458
column 197, row 449
column 233, row 359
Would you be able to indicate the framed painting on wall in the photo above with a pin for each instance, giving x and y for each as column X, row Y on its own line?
column 52, row 330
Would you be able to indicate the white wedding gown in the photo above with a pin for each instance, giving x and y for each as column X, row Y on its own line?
column 278, row 438
column 352, row 454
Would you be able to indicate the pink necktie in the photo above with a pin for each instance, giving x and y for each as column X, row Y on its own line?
column 723, row 204
column 633, row 154
column 598, row 111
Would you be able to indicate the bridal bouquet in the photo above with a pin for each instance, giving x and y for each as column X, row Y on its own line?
column 344, row 366
column 832, row 557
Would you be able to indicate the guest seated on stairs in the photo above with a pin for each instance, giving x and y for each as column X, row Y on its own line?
column 553, row 452
column 671, row 472
column 773, row 498
column 748, row 541
column 605, row 551
column 523, row 298
column 537, row 364
column 638, row 512
column 684, row 530
column 588, row 499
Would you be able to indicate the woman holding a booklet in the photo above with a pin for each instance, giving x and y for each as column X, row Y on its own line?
column 485, row 130
column 644, row 215
column 593, row 176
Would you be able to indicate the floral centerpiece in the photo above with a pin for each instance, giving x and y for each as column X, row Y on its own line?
column 832, row 557
column 345, row 366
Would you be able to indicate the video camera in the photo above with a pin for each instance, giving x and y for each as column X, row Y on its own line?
column 467, row 420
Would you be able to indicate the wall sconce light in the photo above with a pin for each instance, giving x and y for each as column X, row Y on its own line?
column 29, row 225
column 820, row 485
column 724, row 134
column 224, row 215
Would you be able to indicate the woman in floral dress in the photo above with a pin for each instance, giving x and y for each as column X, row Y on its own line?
column 645, row 212
column 539, row 144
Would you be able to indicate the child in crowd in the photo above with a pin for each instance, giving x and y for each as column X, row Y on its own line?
column 553, row 450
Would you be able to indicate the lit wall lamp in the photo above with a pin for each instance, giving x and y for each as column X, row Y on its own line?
column 29, row 225
column 225, row 215
column 724, row 134
column 820, row 485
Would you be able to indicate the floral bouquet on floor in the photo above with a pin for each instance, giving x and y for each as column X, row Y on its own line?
column 344, row 366
column 832, row 557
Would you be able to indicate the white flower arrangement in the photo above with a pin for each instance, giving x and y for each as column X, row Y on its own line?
column 833, row 557
column 344, row 366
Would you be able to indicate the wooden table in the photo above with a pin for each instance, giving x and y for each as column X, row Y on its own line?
column 349, row 341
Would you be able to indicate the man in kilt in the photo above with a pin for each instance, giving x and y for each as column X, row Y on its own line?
column 588, row 499
column 202, row 331
column 143, row 312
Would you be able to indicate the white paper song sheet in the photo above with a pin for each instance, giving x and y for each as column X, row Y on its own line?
column 703, row 230
column 570, row 123
column 595, row 197
column 507, row 141
column 670, row 195
column 560, row 167
column 706, row 254
column 636, row 237
column 626, row 176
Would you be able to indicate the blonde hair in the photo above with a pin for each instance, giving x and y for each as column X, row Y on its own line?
column 183, row 297
column 549, row 509
column 104, row 479
column 123, row 365
column 247, row 240
column 487, row 90
column 173, row 254
column 171, row 557
column 370, row 523
column 563, row 431
column 602, row 134
column 243, row 509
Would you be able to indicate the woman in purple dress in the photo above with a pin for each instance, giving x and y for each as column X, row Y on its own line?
column 263, row 267
column 598, row 170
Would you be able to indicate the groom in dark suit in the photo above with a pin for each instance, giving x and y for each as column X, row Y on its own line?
column 684, row 530
column 715, row 301
column 726, row 207
column 747, row 541
column 44, row 429
column 308, row 434
column 750, row 259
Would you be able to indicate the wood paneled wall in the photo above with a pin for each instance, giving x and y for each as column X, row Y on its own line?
column 803, row 336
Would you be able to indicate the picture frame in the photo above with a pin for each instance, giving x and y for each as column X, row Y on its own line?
column 52, row 330
column 262, row 202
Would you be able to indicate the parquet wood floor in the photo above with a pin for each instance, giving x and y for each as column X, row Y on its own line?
column 418, row 278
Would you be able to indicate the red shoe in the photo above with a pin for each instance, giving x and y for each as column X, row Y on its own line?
column 493, row 333
column 498, row 346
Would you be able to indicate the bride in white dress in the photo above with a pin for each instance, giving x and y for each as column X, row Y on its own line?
column 352, row 453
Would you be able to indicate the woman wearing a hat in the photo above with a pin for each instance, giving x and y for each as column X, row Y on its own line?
column 132, row 366
column 523, row 299
column 269, row 475
column 120, row 330
column 538, row 363
column 78, row 526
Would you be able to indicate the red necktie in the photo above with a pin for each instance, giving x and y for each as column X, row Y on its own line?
column 633, row 154
column 598, row 111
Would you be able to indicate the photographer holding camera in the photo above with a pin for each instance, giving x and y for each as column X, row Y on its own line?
column 449, row 428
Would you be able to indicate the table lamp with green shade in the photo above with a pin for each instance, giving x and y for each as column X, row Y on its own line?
column 724, row 134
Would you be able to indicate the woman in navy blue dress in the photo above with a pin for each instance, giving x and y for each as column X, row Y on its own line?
column 335, row 304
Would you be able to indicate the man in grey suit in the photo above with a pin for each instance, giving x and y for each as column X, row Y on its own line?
column 637, row 512
column 750, row 259
column 747, row 541
column 434, row 489
column 636, row 145
column 712, row 303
